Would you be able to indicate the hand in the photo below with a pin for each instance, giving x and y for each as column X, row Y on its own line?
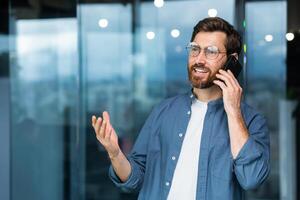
column 106, row 134
column 232, row 91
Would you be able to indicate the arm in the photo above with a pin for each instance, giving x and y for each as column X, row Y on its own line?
column 249, row 144
column 238, row 132
column 107, row 136
column 232, row 94
column 128, row 172
column 252, row 164
column 137, row 159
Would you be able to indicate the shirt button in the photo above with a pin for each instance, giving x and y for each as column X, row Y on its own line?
column 189, row 112
column 167, row 183
column 173, row 157
column 180, row 134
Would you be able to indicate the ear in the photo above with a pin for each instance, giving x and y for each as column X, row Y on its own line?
column 236, row 55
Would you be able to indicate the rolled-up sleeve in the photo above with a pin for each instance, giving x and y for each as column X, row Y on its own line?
column 134, row 180
column 252, row 164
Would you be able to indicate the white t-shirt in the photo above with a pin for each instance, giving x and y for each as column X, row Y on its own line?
column 184, row 183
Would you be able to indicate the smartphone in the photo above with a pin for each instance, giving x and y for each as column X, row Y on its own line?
column 233, row 64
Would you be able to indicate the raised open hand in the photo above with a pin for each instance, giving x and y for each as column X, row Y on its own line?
column 106, row 134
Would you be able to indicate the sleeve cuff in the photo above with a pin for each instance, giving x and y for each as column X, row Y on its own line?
column 116, row 180
column 248, row 153
column 131, row 184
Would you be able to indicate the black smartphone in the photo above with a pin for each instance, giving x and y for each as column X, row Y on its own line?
column 233, row 64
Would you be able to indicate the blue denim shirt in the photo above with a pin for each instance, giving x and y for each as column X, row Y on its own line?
column 219, row 176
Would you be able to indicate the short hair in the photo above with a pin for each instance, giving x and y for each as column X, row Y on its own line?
column 211, row 24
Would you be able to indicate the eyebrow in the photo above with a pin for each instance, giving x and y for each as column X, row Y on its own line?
column 194, row 43
column 209, row 46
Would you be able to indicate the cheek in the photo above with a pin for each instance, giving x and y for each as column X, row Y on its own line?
column 191, row 62
column 216, row 66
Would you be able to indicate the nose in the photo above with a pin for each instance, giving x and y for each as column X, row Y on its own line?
column 200, row 58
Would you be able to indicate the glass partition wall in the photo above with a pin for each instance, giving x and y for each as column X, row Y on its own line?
column 46, row 146
column 266, row 83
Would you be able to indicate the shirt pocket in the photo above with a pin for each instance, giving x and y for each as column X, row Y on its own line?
column 222, row 163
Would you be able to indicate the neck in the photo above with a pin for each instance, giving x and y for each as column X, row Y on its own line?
column 208, row 94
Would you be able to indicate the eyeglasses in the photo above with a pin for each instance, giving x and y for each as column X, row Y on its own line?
column 210, row 52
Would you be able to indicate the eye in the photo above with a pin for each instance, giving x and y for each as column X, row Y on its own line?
column 212, row 50
column 195, row 48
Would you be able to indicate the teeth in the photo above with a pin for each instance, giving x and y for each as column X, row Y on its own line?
column 199, row 70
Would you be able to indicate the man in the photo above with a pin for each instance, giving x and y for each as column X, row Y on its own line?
column 206, row 144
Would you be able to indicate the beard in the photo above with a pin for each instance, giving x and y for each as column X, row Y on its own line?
column 198, row 82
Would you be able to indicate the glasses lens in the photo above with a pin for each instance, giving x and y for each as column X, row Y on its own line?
column 193, row 50
column 211, row 52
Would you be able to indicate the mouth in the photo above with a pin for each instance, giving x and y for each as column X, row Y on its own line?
column 200, row 70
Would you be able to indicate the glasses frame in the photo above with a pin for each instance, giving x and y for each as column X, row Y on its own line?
column 194, row 44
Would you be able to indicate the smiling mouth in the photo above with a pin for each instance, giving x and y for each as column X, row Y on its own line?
column 200, row 70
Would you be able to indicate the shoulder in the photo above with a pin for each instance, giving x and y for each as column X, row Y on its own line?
column 172, row 102
column 248, row 109
column 252, row 116
column 159, row 115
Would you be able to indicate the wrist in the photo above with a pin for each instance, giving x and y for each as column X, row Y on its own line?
column 234, row 114
column 114, row 155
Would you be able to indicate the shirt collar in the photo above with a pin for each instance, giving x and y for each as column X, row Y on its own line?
column 212, row 103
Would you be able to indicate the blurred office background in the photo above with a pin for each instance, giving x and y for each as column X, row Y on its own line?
column 61, row 61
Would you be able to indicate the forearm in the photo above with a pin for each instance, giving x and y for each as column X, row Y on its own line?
column 250, row 148
column 238, row 132
column 121, row 166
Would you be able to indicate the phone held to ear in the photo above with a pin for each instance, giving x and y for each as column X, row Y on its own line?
column 233, row 64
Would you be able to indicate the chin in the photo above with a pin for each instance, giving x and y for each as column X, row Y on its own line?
column 202, row 85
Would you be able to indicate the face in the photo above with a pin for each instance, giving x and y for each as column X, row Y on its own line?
column 201, row 70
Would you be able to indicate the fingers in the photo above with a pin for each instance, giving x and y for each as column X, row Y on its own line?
column 106, row 116
column 102, row 129
column 235, row 81
column 108, row 132
column 224, row 76
column 94, row 120
column 228, row 78
column 228, row 83
column 220, row 84
column 102, row 126
column 234, row 78
column 98, row 125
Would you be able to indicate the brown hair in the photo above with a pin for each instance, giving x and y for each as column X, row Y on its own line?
column 211, row 24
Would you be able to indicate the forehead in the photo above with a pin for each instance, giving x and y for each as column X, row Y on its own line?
column 216, row 38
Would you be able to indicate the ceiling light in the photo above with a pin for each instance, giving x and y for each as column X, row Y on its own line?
column 212, row 12
column 289, row 36
column 150, row 35
column 175, row 33
column 103, row 23
column 159, row 3
column 269, row 38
